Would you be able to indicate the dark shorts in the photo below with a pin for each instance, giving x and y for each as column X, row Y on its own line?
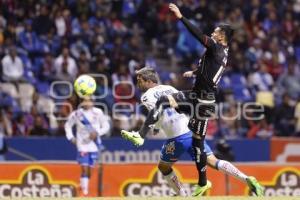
column 199, row 110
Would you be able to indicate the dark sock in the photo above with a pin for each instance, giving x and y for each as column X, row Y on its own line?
column 200, row 160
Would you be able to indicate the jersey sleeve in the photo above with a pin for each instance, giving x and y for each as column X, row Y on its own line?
column 197, row 33
column 69, row 124
column 148, row 100
column 104, row 124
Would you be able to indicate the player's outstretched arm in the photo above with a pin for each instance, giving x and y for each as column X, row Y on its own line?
column 196, row 32
column 68, row 128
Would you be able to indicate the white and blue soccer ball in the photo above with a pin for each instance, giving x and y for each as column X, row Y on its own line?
column 85, row 85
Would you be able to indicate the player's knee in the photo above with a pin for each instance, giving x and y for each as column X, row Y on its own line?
column 164, row 169
column 85, row 171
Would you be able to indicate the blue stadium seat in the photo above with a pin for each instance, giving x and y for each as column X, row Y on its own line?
column 237, row 79
column 43, row 88
column 241, row 93
column 225, row 83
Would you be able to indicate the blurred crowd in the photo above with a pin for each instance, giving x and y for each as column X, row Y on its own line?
column 45, row 45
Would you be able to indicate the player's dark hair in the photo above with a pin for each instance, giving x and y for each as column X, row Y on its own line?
column 148, row 73
column 228, row 30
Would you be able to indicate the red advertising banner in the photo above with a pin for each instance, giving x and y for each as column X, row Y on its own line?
column 43, row 180
column 145, row 180
column 285, row 149
column 62, row 180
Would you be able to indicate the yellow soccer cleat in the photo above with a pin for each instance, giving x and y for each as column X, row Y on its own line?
column 255, row 186
column 200, row 190
column 133, row 137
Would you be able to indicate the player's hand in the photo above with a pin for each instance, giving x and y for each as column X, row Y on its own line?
column 188, row 74
column 93, row 135
column 175, row 10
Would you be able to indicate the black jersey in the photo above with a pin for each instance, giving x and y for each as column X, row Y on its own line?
column 211, row 66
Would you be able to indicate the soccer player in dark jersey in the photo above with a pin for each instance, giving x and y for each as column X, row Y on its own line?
column 199, row 102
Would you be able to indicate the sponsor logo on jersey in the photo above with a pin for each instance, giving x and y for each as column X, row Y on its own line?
column 36, row 181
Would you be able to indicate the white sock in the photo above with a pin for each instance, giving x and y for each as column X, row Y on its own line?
column 230, row 169
column 84, row 184
column 175, row 184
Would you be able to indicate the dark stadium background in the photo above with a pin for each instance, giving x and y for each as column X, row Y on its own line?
column 54, row 41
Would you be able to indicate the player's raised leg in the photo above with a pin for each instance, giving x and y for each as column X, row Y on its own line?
column 231, row 170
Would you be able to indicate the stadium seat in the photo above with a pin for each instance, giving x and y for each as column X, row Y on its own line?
column 10, row 89
column 26, row 90
column 26, row 104
column 45, row 104
column 241, row 93
column 43, row 88
column 238, row 79
column 225, row 83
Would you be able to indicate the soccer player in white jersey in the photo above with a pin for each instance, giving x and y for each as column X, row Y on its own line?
column 179, row 137
column 91, row 123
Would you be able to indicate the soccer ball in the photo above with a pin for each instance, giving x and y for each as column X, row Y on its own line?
column 85, row 85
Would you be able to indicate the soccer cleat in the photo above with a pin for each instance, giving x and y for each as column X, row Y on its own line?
column 133, row 137
column 254, row 186
column 200, row 190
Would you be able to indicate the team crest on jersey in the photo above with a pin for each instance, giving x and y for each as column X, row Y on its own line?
column 170, row 148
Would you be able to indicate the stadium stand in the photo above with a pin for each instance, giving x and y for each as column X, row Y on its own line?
column 42, row 42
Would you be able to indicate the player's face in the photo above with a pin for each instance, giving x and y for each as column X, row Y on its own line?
column 141, row 83
column 87, row 103
column 217, row 34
